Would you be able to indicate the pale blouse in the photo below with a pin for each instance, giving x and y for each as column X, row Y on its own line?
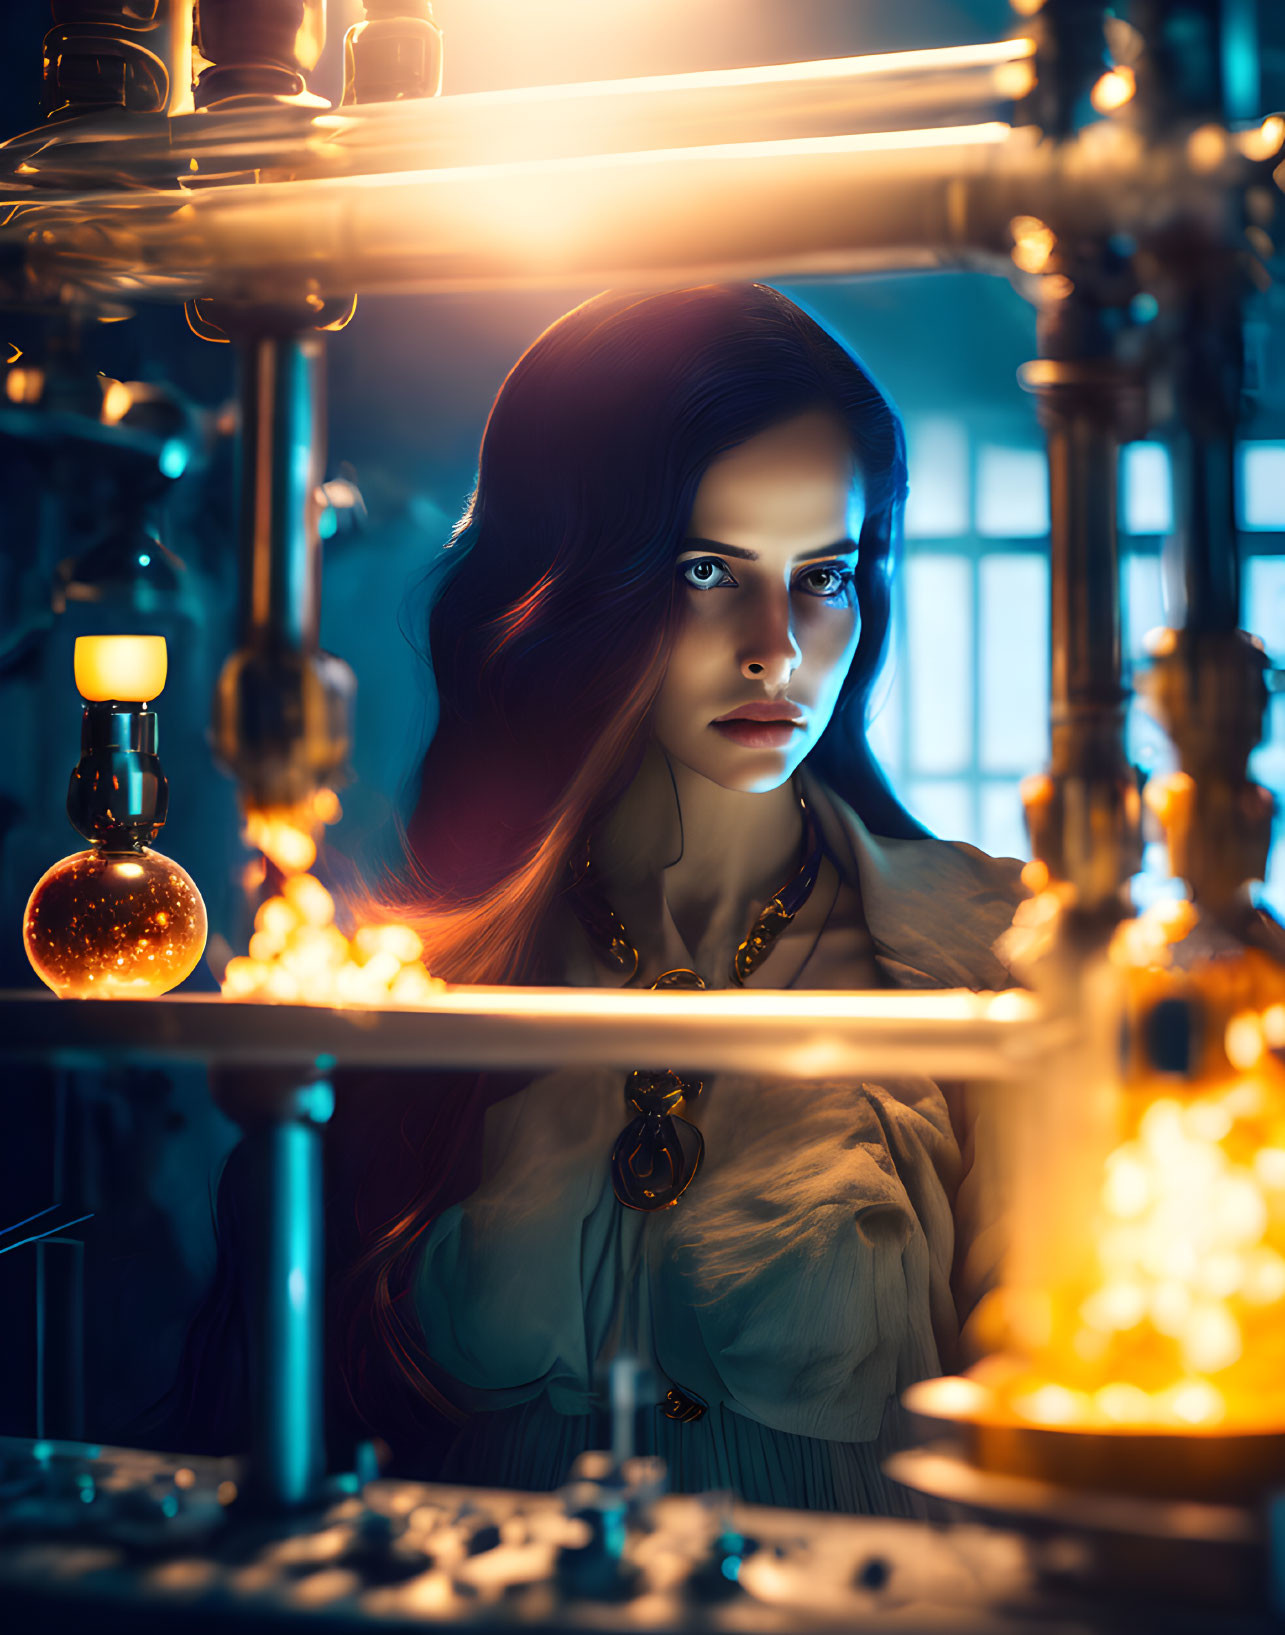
column 807, row 1276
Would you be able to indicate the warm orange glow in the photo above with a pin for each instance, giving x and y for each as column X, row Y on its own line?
column 117, row 401
column 24, row 385
column 1035, row 876
column 678, row 203
column 1033, row 243
column 1113, row 90
column 130, row 669
column 1171, row 797
column 310, row 39
column 1015, row 79
column 940, row 58
column 1207, row 147
column 1172, row 1315
column 103, row 925
column 298, row 954
column 1036, row 789
column 1149, row 939
column 287, row 835
column 1265, row 142
column 281, row 837
column 1182, row 1324
column 958, row 136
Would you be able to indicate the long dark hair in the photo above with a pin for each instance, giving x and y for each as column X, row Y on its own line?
column 555, row 612
column 558, row 601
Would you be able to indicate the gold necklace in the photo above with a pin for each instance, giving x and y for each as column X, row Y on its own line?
column 657, row 1154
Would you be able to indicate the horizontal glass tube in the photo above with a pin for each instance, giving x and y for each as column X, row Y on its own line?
column 816, row 206
column 783, row 102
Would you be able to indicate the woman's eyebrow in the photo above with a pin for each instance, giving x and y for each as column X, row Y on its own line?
column 841, row 547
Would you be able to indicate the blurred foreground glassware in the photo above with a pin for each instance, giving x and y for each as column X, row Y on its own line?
column 1136, row 1343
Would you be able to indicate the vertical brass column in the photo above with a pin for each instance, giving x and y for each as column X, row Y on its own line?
column 1084, row 815
column 395, row 54
column 104, row 54
column 1198, row 63
column 1208, row 680
column 258, row 50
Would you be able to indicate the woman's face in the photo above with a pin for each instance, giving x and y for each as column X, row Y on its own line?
column 767, row 611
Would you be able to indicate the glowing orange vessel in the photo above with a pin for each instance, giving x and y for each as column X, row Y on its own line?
column 118, row 921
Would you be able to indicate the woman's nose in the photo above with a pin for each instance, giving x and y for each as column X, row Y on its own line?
column 770, row 654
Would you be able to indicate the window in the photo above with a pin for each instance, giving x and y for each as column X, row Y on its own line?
column 1262, row 486
column 964, row 709
column 1012, row 492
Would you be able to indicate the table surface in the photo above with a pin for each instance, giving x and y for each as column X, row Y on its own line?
column 154, row 1548
column 799, row 1035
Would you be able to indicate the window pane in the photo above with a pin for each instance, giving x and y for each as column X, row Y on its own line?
column 1143, row 604
column 939, row 661
column 1262, row 485
column 1146, row 494
column 944, row 805
column 1014, row 662
column 1012, row 492
column 1265, row 602
column 1003, row 822
column 937, row 450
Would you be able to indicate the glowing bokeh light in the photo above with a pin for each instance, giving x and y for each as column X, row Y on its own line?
column 130, row 669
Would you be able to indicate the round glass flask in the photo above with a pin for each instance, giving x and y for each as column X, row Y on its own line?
column 119, row 920
column 114, row 925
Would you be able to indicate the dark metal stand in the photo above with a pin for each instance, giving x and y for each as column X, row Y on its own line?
column 283, row 1119
column 60, row 1337
column 282, row 708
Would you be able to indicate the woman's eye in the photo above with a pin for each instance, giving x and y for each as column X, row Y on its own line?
column 828, row 582
column 706, row 573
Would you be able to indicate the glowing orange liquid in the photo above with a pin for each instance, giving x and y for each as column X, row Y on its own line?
column 114, row 925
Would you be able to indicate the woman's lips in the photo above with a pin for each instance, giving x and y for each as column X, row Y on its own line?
column 757, row 734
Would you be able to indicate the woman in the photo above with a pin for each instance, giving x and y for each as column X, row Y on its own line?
column 666, row 605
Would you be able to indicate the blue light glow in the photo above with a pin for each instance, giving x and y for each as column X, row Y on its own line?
column 173, row 458
column 144, row 560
